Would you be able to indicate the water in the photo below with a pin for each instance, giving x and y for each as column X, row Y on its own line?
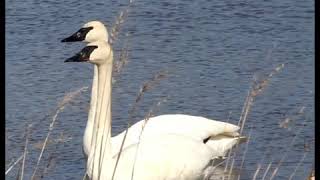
column 212, row 50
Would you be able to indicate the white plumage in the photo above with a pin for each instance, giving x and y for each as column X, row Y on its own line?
column 221, row 136
column 174, row 146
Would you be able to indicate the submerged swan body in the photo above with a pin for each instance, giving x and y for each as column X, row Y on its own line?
column 177, row 154
column 220, row 136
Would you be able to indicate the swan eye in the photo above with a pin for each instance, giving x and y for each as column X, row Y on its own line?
column 82, row 55
column 80, row 35
column 86, row 51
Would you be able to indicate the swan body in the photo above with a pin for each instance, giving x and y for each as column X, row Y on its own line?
column 159, row 157
column 181, row 151
column 220, row 136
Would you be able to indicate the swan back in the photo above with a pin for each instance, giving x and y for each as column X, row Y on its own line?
column 195, row 127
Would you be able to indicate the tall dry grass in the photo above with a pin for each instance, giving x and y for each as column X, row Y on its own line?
column 31, row 127
column 118, row 66
column 228, row 166
column 147, row 86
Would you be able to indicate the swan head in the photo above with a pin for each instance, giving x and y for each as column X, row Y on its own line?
column 90, row 32
column 98, row 52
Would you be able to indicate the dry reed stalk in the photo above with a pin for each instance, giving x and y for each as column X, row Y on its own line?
column 60, row 139
column 115, row 29
column 117, row 67
column 289, row 120
column 101, row 142
column 25, row 151
column 287, row 150
column 19, row 172
column 30, row 132
column 146, row 119
column 245, row 106
column 267, row 170
column 256, row 172
column 122, row 61
column 256, row 89
column 212, row 173
column 51, row 159
column 146, row 87
column 259, row 166
column 50, row 162
column 268, row 150
column 229, row 153
column 214, row 166
column 227, row 163
column 14, row 164
column 312, row 175
column 231, row 168
column 67, row 98
column 245, row 151
column 298, row 165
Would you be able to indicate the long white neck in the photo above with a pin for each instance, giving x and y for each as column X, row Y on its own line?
column 101, row 140
column 88, row 133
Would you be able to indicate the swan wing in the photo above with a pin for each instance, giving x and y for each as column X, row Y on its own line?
column 196, row 127
column 158, row 157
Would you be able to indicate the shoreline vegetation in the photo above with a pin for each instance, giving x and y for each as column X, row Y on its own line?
column 228, row 169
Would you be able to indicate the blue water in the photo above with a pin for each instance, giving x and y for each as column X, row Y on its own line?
column 211, row 50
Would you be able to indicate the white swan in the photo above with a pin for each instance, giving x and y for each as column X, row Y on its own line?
column 86, row 34
column 200, row 128
column 171, row 155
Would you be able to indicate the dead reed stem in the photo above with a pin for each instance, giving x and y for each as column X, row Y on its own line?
column 298, row 165
column 267, row 170
column 67, row 98
column 231, row 168
column 115, row 29
column 259, row 166
column 146, row 119
column 122, row 61
column 283, row 124
column 245, row 151
column 15, row 163
column 256, row 172
column 25, row 151
column 287, row 150
column 311, row 175
column 227, row 163
column 229, row 153
column 256, row 89
column 146, row 87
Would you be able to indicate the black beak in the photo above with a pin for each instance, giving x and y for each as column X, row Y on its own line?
column 80, row 35
column 72, row 38
column 77, row 58
column 83, row 55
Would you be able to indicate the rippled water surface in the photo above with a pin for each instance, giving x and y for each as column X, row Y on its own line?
column 211, row 49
